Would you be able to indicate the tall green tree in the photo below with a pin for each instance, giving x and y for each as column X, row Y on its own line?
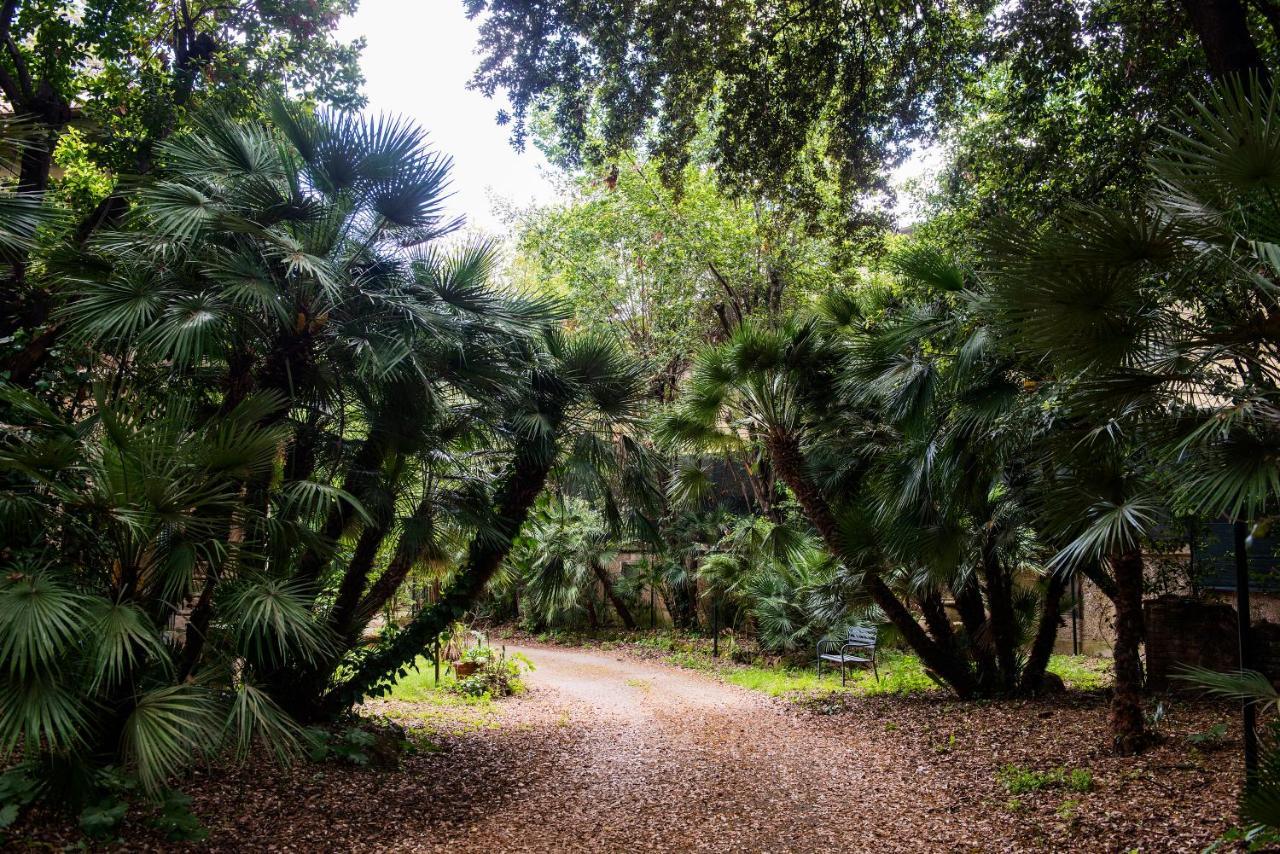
column 1157, row 323
column 670, row 271
column 1064, row 97
column 122, row 76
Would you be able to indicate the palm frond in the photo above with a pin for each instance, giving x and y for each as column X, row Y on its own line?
column 167, row 729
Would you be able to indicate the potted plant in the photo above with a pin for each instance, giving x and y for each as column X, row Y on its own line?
column 472, row 660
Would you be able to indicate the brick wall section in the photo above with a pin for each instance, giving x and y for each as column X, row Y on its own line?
column 1184, row 631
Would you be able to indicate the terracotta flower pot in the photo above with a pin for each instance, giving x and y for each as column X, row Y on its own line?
column 464, row 669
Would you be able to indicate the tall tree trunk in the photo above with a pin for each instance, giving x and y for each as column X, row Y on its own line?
column 414, row 540
column 515, row 495
column 351, row 589
column 1223, row 29
column 624, row 613
column 1127, row 726
column 788, row 461
column 935, row 617
column 1004, row 628
column 1046, row 634
column 363, row 469
column 973, row 614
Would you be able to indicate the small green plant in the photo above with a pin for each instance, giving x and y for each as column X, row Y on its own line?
column 945, row 746
column 354, row 746
column 1018, row 780
column 176, row 820
column 1212, row 737
column 17, row 789
column 1068, row 808
column 1013, row 805
column 351, row 746
column 100, row 820
column 1080, row 780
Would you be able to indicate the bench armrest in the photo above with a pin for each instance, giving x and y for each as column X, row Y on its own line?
column 828, row 645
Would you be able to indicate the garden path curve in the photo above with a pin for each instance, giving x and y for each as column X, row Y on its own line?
column 629, row 755
column 612, row 752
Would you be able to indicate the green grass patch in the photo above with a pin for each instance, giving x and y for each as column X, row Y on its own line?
column 778, row 681
column 899, row 674
column 420, row 686
column 1018, row 780
column 427, row 709
column 1082, row 672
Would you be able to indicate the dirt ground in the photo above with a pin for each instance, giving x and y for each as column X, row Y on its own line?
column 609, row 752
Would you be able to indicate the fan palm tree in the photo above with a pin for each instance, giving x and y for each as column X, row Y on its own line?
column 299, row 258
column 109, row 522
column 581, row 396
column 561, row 560
column 900, row 427
column 1157, row 325
column 782, row 384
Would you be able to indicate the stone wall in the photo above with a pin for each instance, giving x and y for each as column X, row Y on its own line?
column 1182, row 631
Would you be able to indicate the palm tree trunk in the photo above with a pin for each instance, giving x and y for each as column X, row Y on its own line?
column 973, row 614
column 1127, row 727
column 409, row 551
column 516, row 493
column 1046, row 634
column 1004, row 630
column 363, row 467
column 624, row 613
column 935, row 617
column 353, row 582
column 788, row 461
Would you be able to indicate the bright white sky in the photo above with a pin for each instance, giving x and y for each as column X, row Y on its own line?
column 419, row 57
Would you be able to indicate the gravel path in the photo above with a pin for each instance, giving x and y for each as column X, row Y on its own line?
column 668, row 759
column 609, row 752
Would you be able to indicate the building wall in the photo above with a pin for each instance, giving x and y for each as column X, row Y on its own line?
column 1095, row 616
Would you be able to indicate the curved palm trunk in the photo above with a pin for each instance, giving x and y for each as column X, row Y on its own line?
column 315, row 561
column 624, row 613
column 788, row 461
column 342, row 617
column 1127, row 727
column 973, row 614
column 1046, row 634
column 518, row 490
column 351, row 615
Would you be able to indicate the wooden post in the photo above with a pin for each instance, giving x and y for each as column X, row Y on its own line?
column 715, row 627
column 1075, row 610
column 1243, row 620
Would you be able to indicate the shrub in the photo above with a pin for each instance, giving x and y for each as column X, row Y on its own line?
column 498, row 676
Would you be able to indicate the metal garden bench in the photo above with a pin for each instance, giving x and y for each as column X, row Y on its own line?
column 857, row 639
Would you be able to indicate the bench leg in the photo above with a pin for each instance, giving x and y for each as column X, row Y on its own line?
column 875, row 669
column 842, row 683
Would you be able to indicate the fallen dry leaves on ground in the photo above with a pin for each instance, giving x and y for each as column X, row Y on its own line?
column 611, row 752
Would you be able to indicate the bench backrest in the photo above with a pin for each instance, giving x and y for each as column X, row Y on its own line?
column 861, row 636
